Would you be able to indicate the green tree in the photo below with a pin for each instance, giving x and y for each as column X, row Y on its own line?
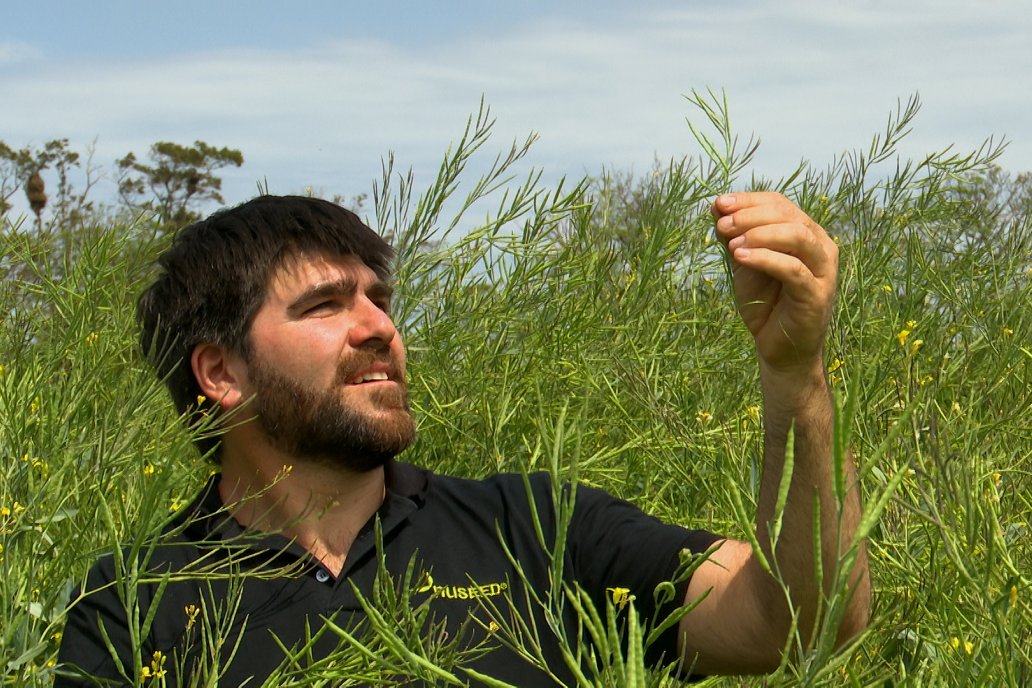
column 176, row 179
column 27, row 167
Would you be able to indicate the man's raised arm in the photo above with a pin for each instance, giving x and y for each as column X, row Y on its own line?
column 785, row 268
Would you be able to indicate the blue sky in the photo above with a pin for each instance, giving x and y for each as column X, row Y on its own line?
column 316, row 94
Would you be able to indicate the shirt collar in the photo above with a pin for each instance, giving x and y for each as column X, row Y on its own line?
column 207, row 519
column 406, row 480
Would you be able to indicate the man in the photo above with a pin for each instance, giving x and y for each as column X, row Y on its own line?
column 275, row 317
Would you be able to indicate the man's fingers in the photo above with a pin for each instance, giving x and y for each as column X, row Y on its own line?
column 796, row 279
column 767, row 232
column 733, row 202
column 793, row 239
column 744, row 219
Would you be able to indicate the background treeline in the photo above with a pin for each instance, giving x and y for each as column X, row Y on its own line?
column 587, row 327
column 172, row 184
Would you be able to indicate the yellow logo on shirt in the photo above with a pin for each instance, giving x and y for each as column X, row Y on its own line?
column 460, row 592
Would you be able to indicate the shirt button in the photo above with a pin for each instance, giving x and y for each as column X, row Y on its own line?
column 322, row 575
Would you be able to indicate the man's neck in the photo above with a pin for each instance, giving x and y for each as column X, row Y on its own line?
column 322, row 507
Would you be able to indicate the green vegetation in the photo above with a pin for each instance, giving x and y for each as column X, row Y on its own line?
column 587, row 329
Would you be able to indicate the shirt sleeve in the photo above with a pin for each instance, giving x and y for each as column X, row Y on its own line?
column 615, row 547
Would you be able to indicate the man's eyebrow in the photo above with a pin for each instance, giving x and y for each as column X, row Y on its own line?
column 344, row 286
column 380, row 290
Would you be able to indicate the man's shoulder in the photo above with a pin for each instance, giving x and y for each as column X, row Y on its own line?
column 518, row 488
column 495, row 482
column 501, row 488
column 166, row 546
column 511, row 487
column 454, row 499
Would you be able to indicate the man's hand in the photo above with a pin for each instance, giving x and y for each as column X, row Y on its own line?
column 785, row 268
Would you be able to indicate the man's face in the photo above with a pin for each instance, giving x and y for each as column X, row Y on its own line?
column 327, row 366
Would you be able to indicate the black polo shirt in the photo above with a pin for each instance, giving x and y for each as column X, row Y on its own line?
column 454, row 539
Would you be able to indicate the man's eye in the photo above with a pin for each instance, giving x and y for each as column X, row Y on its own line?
column 321, row 307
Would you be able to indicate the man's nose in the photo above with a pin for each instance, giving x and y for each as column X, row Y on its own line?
column 372, row 324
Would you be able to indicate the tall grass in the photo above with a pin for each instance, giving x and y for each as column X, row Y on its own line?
column 588, row 329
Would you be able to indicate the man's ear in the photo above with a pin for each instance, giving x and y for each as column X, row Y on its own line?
column 221, row 375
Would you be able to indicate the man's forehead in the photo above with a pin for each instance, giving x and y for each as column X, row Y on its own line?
column 303, row 267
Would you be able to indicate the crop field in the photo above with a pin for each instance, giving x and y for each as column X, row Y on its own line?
column 588, row 329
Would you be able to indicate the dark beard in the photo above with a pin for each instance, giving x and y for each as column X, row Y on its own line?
column 315, row 425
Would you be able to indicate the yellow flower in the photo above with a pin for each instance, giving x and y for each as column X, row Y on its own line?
column 911, row 324
column 916, row 345
column 191, row 611
column 156, row 668
column 621, row 596
column 1013, row 597
column 493, row 627
column 955, row 643
column 91, row 339
column 201, row 399
column 176, row 505
column 902, row 336
column 1007, row 332
column 887, row 288
column 148, row 470
column 835, row 365
column 704, row 417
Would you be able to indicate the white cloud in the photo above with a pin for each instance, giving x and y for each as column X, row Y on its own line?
column 14, row 52
column 811, row 79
